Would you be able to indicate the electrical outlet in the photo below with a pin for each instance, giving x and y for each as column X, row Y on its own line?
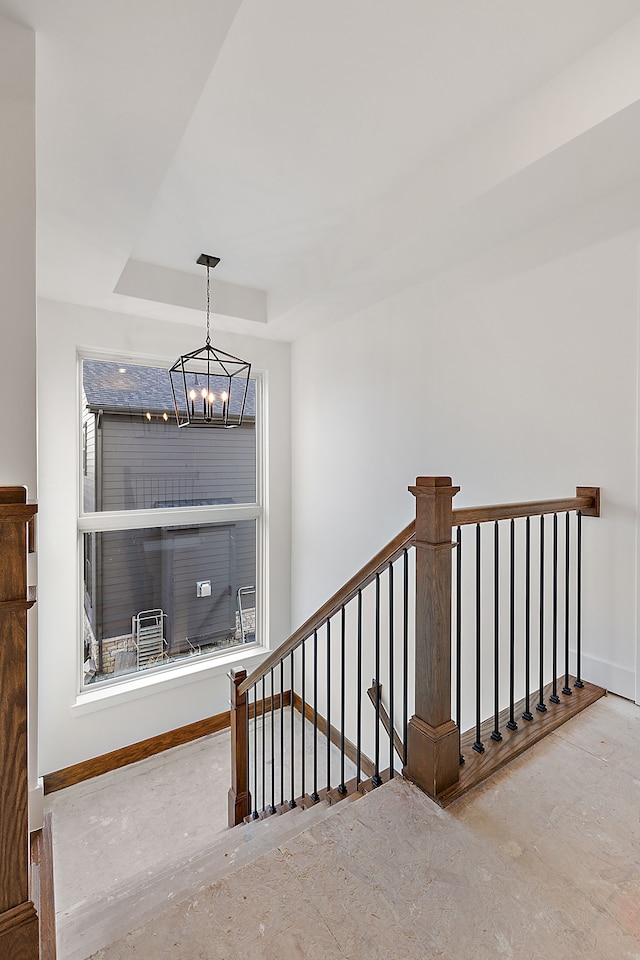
column 203, row 588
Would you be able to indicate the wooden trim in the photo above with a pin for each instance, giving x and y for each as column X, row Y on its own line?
column 255, row 709
column 95, row 767
column 350, row 750
column 594, row 493
column 508, row 511
column 25, row 604
column 13, row 495
column 19, row 933
column 478, row 766
column 358, row 582
column 385, row 719
column 18, row 511
column 41, row 887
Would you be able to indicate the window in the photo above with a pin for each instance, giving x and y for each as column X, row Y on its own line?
column 171, row 522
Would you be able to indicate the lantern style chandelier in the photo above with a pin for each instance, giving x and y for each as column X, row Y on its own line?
column 209, row 386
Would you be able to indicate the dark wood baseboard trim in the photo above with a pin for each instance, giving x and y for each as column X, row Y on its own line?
column 350, row 749
column 95, row 767
column 478, row 766
column 41, row 888
column 386, row 720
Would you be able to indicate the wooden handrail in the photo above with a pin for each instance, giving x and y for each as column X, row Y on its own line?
column 358, row 582
column 432, row 743
column 587, row 502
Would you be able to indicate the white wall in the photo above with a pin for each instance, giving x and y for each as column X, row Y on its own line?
column 18, row 306
column 17, row 256
column 70, row 733
column 521, row 389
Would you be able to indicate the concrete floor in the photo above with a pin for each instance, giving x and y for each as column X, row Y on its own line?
column 544, row 859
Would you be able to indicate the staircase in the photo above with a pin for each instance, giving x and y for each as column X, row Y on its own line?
column 456, row 693
column 469, row 622
column 541, row 862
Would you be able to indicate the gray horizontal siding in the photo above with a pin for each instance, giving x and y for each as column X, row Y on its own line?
column 89, row 461
column 142, row 468
column 141, row 569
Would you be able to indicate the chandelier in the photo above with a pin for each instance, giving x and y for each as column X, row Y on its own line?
column 209, row 386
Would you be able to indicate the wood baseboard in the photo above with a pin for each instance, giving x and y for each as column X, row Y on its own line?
column 95, row 767
column 41, row 888
column 350, row 750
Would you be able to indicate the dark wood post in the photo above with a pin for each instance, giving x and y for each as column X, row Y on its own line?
column 19, row 932
column 239, row 796
column 433, row 739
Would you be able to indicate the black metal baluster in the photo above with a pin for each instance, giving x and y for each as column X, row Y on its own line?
column 272, row 808
column 264, row 752
column 554, row 698
column 303, row 752
column 478, row 745
column 341, row 786
column 541, row 705
column 315, row 795
column 527, row 715
column 392, row 761
column 405, row 654
column 496, row 735
column 458, row 641
column 328, row 705
column 282, row 731
column 255, row 751
column 377, row 779
column 567, row 691
column 359, row 695
column 292, row 798
column 511, row 724
column 579, row 682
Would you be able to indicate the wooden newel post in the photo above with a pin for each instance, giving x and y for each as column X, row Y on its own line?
column 19, row 927
column 433, row 739
column 239, row 796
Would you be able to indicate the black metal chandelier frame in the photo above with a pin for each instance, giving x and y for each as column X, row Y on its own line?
column 209, row 386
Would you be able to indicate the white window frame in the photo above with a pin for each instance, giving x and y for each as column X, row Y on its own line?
column 129, row 686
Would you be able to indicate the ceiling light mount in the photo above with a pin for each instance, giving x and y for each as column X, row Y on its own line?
column 209, row 386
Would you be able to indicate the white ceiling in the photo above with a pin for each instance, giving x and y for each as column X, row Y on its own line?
column 330, row 153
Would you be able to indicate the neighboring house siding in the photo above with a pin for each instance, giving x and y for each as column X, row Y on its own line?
column 88, row 459
column 146, row 465
column 142, row 569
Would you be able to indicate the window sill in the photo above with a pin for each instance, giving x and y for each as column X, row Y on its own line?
column 136, row 687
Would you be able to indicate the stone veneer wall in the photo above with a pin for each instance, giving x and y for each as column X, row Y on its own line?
column 125, row 643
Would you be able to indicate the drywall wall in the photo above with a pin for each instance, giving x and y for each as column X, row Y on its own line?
column 519, row 388
column 70, row 731
column 18, row 256
column 18, row 308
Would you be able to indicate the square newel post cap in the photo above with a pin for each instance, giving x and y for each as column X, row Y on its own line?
column 433, row 486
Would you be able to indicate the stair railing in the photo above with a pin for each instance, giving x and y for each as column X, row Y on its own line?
column 319, row 672
column 378, row 625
